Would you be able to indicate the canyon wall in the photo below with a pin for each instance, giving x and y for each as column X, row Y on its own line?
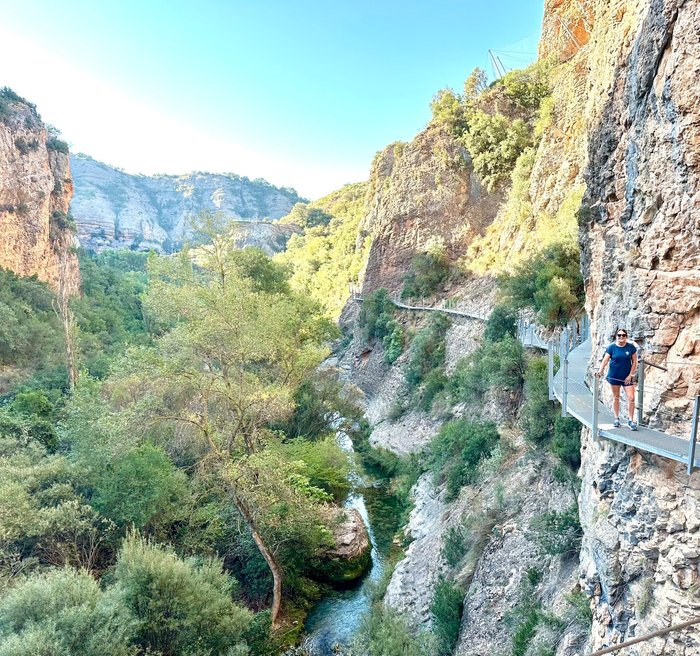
column 421, row 192
column 35, row 193
column 640, row 239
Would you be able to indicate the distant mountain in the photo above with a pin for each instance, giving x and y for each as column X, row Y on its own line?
column 114, row 209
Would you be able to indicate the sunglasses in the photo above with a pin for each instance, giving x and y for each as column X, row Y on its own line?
column 621, row 335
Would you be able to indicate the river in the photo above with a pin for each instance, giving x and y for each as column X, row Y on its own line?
column 335, row 619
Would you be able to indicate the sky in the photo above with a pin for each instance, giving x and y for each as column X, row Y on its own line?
column 302, row 93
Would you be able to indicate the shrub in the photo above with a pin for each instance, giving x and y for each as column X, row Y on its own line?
column 376, row 313
column 179, row 606
column 456, row 451
column 54, row 141
column 566, row 443
column 25, row 145
column 447, row 110
column 550, row 283
column 579, row 611
column 386, row 633
column 141, row 488
column 502, row 322
column 446, row 609
column 454, row 546
column 428, row 271
column 434, row 382
column 393, row 342
column 539, row 412
column 527, row 87
column 526, row 631
column 558, row 533
column 428, row 350
column 492, row 364
column 327, row 465
column 63, row 611
column 495, row 143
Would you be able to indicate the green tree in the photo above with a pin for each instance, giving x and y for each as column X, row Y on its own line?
column 446, row 609
column 428, row 271
column 502, row 322
column 455, row 452
column 538, row 411
column 475, row 84
column 384, row 632
column 550, row 283
column 448, row 111
column 495, row 142
column 221, row 375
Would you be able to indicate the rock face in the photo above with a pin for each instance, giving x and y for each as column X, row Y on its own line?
column 114, row 209
column 640, row 239
column 640, row 561
column 35, row 191
column 421, row 191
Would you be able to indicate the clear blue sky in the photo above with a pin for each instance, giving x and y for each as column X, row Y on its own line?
column 302, row 92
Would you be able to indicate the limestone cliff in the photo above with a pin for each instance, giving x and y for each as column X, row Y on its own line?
column 640, row 239
column 35, row 192
column 114, row 209
column 421, row 191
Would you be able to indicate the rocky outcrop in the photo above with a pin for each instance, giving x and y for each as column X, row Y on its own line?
column 640, row 561
column 421, row 192
column 116, row 210
column 269, row 237
column 495, row 522
column 351, row 556
column 35, row 192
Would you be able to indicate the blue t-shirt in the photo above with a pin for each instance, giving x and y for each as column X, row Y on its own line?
column 620, row 362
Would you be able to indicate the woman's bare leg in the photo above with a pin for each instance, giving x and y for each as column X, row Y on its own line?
column 616, row 400
column 629, row 391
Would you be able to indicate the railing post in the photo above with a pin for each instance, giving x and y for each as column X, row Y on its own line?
column 565, row 378
column 550, row 370
column 594, row 418
column 640, row 391
column 693, row 436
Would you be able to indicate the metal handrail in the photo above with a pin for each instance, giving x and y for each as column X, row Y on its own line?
column 644, row 638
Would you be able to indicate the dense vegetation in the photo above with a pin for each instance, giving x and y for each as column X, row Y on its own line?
column 192, row 458
column 327, row 257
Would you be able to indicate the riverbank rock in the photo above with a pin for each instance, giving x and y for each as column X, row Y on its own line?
column 351, row 556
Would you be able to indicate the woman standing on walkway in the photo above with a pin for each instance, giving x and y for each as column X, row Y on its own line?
column 622, row 357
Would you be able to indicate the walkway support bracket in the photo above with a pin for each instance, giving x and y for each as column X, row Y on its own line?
column 550, row 370
column 693, row 436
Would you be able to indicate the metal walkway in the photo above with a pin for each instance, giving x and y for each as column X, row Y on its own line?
column 445, row 309
column 568, row 386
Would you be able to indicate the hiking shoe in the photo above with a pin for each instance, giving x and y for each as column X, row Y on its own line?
column 632, row 425
column 616, row 423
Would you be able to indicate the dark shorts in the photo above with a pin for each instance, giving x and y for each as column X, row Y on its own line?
column 612, row 381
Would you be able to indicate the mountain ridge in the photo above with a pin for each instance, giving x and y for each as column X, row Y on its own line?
column 116, row 209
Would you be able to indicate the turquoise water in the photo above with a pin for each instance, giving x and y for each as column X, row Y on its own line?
column 336, row 618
